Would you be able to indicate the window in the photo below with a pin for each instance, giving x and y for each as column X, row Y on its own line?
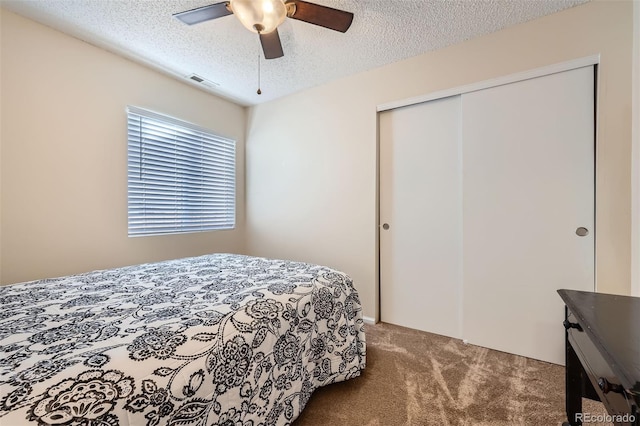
column 181, row 178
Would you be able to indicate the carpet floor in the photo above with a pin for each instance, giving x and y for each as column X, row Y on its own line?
column 418, row 378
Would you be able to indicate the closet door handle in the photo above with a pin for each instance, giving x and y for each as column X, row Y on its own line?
column 582, row 232
column 385, row 226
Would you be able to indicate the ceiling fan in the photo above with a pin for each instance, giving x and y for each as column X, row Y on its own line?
column 264, row 16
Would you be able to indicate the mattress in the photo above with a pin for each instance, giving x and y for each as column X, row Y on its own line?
column 215, row 339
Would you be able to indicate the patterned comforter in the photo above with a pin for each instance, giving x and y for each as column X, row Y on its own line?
column 212, row 340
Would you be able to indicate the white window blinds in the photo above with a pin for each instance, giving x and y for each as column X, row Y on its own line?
column 181, row 178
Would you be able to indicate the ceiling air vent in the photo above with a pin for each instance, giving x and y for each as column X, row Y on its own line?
column 203, row 81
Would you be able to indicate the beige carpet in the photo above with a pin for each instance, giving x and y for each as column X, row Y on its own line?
column 417, row 378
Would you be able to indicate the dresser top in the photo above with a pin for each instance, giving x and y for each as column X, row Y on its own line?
column 612, row 323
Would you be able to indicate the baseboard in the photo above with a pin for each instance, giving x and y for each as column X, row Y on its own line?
column 369, row 320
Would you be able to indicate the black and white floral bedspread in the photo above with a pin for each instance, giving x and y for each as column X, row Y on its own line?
column 213, row 340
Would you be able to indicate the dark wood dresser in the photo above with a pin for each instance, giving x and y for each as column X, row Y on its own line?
column 602, row 356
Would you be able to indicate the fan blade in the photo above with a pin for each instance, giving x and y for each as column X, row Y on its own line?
column 271, row 45
column 324, row 16
column 205, row 13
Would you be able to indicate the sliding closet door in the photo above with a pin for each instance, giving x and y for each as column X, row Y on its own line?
column 420, row 216
column 528, row 190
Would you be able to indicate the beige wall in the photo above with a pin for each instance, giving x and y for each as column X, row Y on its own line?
column 311, row 157
column 64, row 166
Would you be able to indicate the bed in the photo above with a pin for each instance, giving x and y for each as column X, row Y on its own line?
column 219, row 339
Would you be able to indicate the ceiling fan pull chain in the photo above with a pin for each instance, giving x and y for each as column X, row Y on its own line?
column 259, row 92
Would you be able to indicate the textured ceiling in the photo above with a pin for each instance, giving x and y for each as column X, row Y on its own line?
column 225, row 53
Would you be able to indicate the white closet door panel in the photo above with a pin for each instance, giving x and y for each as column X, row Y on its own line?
column 528, row 185
column 420, row 200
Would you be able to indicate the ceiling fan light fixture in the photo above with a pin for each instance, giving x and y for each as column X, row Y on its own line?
column 261, row 16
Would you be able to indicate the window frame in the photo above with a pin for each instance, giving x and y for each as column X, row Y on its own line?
column 181, row 177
